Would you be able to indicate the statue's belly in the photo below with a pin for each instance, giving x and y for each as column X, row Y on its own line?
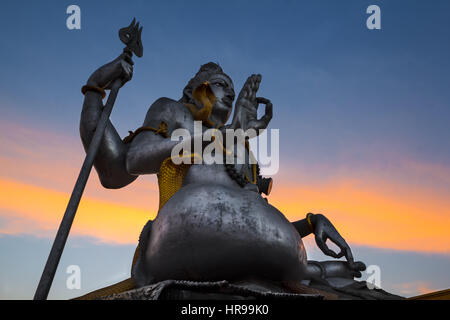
column 213, row 232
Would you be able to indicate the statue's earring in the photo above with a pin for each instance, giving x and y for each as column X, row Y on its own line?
column 204, row 97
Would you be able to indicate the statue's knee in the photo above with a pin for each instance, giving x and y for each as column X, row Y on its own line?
column 139, row 272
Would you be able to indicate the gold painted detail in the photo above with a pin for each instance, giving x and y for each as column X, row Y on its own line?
column 254, row 180
column 161, row 130
column 87, row 88
column 170, row 177
column 308, row 220
column 205, row 97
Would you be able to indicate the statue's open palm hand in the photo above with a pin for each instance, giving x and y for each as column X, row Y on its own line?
column 246, row 108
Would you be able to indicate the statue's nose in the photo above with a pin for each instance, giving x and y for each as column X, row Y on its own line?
column 230, row 95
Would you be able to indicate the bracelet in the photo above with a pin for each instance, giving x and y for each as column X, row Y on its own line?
column 87, row 88
column 308, row 220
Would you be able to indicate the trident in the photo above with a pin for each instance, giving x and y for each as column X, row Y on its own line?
column 131, row 37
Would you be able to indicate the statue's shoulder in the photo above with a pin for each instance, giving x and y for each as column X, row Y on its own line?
column 168, row 110
column 168, row 105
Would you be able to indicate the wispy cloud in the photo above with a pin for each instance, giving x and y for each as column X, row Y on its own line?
column 37, row 171
column 387, row 215
column 409, row 289
column 378, row 208
column 29, row 209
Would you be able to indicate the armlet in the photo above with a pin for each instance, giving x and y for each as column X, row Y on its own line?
column 161, row 130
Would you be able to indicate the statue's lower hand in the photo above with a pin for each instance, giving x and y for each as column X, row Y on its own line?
column 121, row 68
column 323, row 230
column 246, row 108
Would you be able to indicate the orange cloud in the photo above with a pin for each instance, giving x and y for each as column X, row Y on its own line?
column 404, row 208
column 415, row 288
column 364, row 216
column 31, row 209
column 386, row 216
column 53, row 161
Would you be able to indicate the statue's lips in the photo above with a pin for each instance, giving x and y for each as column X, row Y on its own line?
column 227, row 102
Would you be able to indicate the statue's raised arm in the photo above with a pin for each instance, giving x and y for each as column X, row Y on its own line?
column 110, row 160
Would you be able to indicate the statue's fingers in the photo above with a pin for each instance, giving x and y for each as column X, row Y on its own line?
column 345, row 249
column 263, row 123
column 265, row 120
column 269, row 108
column 257, row 81
column 360, row 266
column 321, row 243
column 248, row 83
column 249, row 88
column 263, row 100
column 246, row 88
column 253, row 87
column 349, row 256
column 340, row 243
column 257, row 125
column 347, row 252
column 341, row 254
column 243, row 94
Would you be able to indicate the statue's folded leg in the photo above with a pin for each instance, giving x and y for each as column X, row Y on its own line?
column 139, row 273
column 324, row 270
column 331, row 274
column 338, row 278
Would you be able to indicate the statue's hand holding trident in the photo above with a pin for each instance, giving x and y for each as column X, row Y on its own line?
column 120, row 70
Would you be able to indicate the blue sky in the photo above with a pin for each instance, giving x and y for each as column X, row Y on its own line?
column 350, row 103
column 324, row 71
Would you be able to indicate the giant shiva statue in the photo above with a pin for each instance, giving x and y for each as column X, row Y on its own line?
column 213, row 222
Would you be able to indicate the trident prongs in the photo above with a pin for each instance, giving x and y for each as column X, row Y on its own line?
column 131, row 37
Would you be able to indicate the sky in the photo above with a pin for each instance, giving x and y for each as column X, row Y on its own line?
column 363, row 118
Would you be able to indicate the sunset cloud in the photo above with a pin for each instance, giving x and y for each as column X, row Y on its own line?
column 378, row 209
column 409, row 289
column 371, row 215
column 363, row 122
column 28, row 209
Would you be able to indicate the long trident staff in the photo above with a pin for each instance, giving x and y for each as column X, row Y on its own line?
column 131, row 37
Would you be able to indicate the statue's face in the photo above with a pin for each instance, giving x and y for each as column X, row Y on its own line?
column 223, row 90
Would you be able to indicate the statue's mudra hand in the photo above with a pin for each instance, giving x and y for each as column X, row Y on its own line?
column 120, row 68
column 246, row 107
column 323, row 230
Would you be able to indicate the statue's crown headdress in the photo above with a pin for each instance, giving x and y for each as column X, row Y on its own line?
column 203, row 74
